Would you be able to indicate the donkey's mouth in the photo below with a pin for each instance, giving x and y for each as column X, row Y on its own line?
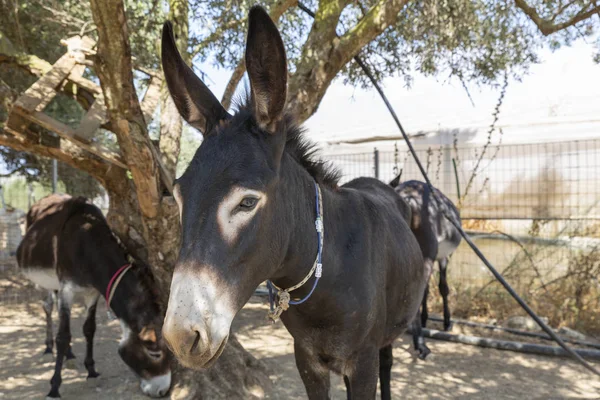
column 217, row 354
column 202, row 361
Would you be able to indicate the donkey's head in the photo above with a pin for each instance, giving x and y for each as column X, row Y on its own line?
column 233, row 237
column 142, row 347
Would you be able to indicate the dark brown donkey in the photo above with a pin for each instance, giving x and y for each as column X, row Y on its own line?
column 255, row 205
column 438, row 239
column 68, row 249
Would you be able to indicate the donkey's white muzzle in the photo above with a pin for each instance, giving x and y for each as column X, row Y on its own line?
column 157, row 386
column 198, row 317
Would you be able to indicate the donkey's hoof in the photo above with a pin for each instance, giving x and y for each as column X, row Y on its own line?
column 53, row 395
column 70, row 363
column 93, row 374
column 424, row 352
column 47, row 357
column 448, row 327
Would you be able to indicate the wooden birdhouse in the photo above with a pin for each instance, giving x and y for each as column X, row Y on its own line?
column 67, row 73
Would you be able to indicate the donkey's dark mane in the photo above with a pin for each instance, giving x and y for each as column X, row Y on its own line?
column 301, row 149
column 304, row 152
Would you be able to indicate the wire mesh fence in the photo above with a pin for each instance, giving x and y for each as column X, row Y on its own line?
column 533, row 209
column 522, row 181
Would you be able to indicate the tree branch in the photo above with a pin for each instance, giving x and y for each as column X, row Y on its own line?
column 61, row 17
column 27, row 62
column 324, row 54
column 7, row 96
column 563, row 8
column 113, row 66
column 232, row 84
column 275, row 12
column 213, row 36
column 379, row 17
column 548, row 27
column 65, row 152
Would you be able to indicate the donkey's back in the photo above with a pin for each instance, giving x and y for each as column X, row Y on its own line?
column 56, row 226
column 436, row 235
column 38, row 253
column 395, row 258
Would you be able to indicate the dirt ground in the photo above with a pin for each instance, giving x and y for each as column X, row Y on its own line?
column 452, row 371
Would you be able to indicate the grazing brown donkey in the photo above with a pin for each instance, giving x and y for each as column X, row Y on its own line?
column 255, row 205
column 68, row 249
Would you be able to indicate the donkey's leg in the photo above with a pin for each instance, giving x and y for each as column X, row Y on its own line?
column 424, row 312
column 428, row 267
column 422, row 317
column 444, row 291
column 419, row 339
column 63, row 337
column 48, row 306
column 89, row 329
column 361, row 383
column 386, row 360
column 314, row 374
column 70, row 355
column 70, row 359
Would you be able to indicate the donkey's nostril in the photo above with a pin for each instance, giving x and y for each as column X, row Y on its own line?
column 196, row 341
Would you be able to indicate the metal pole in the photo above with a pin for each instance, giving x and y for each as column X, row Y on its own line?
column 376, row 162
column 54, row 175
column 532, row 348
column 457, row 182
column 29, row 195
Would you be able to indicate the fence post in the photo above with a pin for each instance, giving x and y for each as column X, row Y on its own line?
column 54, row 175
column 29, row 195
column 376, row 162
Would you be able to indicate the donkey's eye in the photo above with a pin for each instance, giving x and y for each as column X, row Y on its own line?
column 248, row 203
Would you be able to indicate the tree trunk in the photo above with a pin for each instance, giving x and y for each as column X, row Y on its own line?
column 146, row 220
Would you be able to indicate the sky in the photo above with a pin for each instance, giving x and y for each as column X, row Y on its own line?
column 559, row 98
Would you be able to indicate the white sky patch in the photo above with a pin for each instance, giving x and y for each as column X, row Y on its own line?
column 561, row 90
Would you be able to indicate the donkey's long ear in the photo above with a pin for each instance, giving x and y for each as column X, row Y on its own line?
column 195, row 102
column 267, row 68
column 396, row 181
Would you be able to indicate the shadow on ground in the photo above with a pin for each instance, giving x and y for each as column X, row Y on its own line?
column 453, row 371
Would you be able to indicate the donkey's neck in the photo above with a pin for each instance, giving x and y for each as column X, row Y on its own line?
column 298, row 202
column 105, row 265
column 124, row 297
column 103, row 269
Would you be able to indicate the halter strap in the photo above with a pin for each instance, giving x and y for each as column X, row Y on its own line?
column 114, row 282
column 317, row 269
